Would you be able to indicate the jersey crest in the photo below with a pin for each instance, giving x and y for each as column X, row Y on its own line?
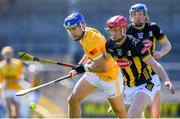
column 119, row 52
column 140, row 35
column 150, row 34
column 94, row 51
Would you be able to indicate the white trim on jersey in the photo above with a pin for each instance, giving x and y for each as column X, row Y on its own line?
column 98, row 57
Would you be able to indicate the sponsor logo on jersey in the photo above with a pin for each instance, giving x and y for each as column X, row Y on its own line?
column 94, row 51
column 144, row 50
column 123, row 63
column 147, row 43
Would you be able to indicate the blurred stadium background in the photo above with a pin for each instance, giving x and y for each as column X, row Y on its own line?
column 36, row 27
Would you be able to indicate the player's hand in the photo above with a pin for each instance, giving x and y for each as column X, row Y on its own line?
column 79, row 68
column 169, row 85
column 156, row 54
column 73, row 74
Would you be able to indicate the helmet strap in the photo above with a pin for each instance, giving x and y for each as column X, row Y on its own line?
column 123, row 30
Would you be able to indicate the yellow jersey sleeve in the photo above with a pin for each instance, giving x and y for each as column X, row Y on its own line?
column 94, row 44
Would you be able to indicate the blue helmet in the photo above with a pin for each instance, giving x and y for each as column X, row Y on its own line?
column 73, row 19
column 138, row 7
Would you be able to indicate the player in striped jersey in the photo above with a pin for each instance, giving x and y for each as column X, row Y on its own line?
column 149, row 32
column 137, row 64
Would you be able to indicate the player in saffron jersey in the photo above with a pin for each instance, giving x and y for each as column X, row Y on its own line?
column 149, row 32
column 11, row 72
column 138, row 67
column 99, row 68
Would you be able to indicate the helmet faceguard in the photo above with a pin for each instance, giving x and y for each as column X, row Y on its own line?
column 138, row 8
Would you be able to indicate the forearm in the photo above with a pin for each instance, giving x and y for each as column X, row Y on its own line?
column 95, row 68
column 160, row 71
column 165, row 50
column 166, row 47
column 84, row 60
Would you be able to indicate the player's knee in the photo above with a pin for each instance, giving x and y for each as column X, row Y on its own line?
column 72, row 99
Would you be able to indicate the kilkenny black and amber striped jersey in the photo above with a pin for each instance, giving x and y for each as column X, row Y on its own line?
column 149, row 34
column 130, row 57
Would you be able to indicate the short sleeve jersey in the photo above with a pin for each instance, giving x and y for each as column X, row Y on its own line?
column 93, row 45
column 9, row 73
column 149, row 34
column 130, row 57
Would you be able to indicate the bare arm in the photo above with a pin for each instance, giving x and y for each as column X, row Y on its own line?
column 84, row 60
column 99, row 65
column 158, row 69
column 166, row 47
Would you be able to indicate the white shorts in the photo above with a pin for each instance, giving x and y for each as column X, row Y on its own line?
column 110, row 89
column 129, row 93
column 22, row 100
column 12, row 94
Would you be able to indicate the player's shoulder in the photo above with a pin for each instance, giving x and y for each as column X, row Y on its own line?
column 92, row 30
column 132, row 41
column 17, row 61
column 131, row 38
column 130, row 29
column 152, row 24
column 110, row 44
column 93, row 33
column 2, row 63
column 130, row 26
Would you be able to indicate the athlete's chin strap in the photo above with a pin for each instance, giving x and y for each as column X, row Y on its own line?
column 139, row 26
column 80, row 36
column 83, row 32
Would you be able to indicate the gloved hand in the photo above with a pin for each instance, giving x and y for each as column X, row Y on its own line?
column 79, row 68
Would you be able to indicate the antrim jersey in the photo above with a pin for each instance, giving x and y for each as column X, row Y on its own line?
column 10, row 73
column 130, row 58
column 93, row 44
column 149, row 34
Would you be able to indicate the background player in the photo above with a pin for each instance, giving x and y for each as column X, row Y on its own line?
column 149, row 33
column 11, row 74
